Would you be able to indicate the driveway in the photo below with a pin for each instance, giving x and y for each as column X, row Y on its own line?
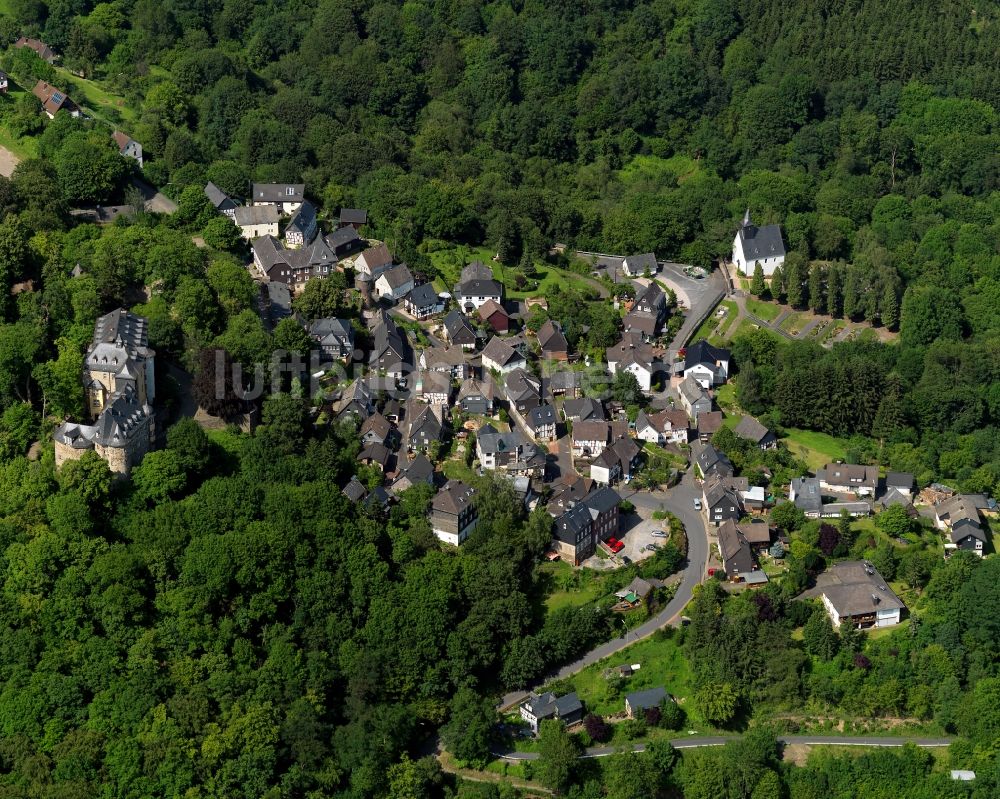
column 679, row 500
column 7, row 162
column 156, row 202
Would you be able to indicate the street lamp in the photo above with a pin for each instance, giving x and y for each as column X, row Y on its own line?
column 625, row 635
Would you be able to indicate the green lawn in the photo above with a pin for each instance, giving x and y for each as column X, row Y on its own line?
column 105, row 105
column 745, row 326
column 768, row 311
column 816, row 449
column 715, row 327
column 569, row 587
column 455, row 469
column 833, row 329
column 794, row 322
column 662, row 664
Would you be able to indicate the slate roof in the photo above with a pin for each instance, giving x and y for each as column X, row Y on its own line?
column 247, row 215
column 375, row 257
column 751, row 430
column 354, row 490
column 710, row 460
column 631, row 349
column 218, row 198
column 899, row 480
column 519, row 384
column 303, row 220
column 551, row 338
column 340, row 240
column 855, row 588
column 583, row 409
column 691, row 390
column 760, row 242
column 756, row 532
column 471, row 387
column 701, row 352
column 808, row 496
column 500, row 352
column 637, row 264
column 734, row 549
column 398, row 276
column 376, row 424
column 453, row 497
column 541, row 416
column 480, row 288
column 476, row 270
column 572, row 522
column 278, row 192
column 423, row 296
column 642, row 700
column 459, row 328
column 353, row 216
column 849, row 474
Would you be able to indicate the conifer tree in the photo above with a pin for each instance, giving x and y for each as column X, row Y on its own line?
column 817, row 301
column 757, row 285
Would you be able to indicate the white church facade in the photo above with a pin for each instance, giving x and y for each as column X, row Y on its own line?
column 758, row 245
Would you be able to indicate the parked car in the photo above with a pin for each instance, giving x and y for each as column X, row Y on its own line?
column 652, row 547
column 615, row 545
column 626, row 560
column 660, row 534
column 697, row 504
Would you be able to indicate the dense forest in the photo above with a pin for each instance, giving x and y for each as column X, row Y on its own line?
column 228, row 624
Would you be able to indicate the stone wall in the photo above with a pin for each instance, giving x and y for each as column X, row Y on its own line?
column 64, row 452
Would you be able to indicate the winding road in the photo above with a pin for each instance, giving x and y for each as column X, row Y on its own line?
column 722, row 740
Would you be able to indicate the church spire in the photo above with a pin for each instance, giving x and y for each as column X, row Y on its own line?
column 746, row 219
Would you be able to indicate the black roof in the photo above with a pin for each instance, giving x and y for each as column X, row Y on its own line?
column 760, row 242
column 703, row 352
column 353, row 216
column 423, row 295
column 303, row 219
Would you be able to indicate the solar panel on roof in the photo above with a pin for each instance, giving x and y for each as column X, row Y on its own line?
column 57, row 97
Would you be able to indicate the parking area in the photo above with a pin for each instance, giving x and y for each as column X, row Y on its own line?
column 640, row 535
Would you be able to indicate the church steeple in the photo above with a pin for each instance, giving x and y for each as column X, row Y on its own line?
column 746, row 219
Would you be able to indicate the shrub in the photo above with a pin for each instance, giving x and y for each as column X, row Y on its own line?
column 597, row 728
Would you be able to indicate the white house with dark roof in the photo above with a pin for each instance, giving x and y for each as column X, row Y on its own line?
column 541, row 422
column 853, row 592
column 639, row 265
column 498, row 355
column 128, row 147
column 423, row 301
column 221, row 201
column 334, row 336
column 753, row 431
column 373, row 261
column 286, row 197
column 960, row 518
column 453, row 512
column 758, row 245
column 301, row 228
column 635, row 356
column 256, row 221
column 708, row 365
column 394, row 283
column 693, row 398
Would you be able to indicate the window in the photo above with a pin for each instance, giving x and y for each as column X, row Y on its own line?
column 290, row 191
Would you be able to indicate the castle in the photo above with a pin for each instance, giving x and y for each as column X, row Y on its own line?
column 119, row 386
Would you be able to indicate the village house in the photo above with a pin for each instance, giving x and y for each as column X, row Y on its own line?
column 423, row 301
column 633, row 355
column 708, row 424
column 640, row 265
column 758, row 534
column 335, row 338
column 617, row 462
column 632, row 595
column 749, row 429
column 221, row 201
column 301, row 228
column 294, row 267
column 373, row 261
column 495, row 316
column 708, row 461
column 738, row 562
column 648, row 313
column 356, row 218
column 394, row 284
column 4, row 82
column 476, row 287
column 418, row 471
column 590, row 437
column 119, row 391
column 510, row 452
column 564, row 382
column 377, row 455
column 500, row 357
column 390, row 351
column 583, row 409
column 433, row 387
column 43, row 51
column 355, row 490
column 639, row 702
column 758, row 245
column 286, row 197
column 459, row 331
column 899, row 481
column 453, row 512
column 53, row 100
column 853, row 592
column 662, row 427
column 343, row 241
column 477, row 397
column 128, row 147
column 450, row 360
column 721, row 502
column 708, row 365
column 807, row 496
column 255, row 221
column 540, row 707
column 552, row 342
column 584, row 517
column 693, row 398
column 355, row 400
column 523, row 391
column 376, row 429
column 961, row 518
column 423, row 425
column 848, row 478
column 541, row 422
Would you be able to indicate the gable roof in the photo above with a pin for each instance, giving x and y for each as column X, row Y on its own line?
column 218, row 197
column 354, row 490
column 453, row 497
column 353, row 216
column 591, row 430
column 551, row 338
column 278, row 192
column 637, row 264
column 375, row 257
column 642, row 700
column 760, row 242
column 476, row 270
column 583, row 409
column 303, row 220
column 709, row 459
column 490, row 307
column 751, row 430
column 701, row 352
column 631, row 350
column 423, row 296
column 397, row 276
column 246, row 215
column 541, row 416
column 376, row 424
column 734, row 549
column 480, row 288
column 52, row 98
column 500, row 352
column 808, row 496
column 471, row 387
column 520, row 384
column 709, row 423
column 458, row 325
column 848, row 474
column 899, row 480
column 692, row 391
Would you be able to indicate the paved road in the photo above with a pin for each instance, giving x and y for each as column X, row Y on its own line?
column 155, row 201
column 694, row 742
column 679, row 501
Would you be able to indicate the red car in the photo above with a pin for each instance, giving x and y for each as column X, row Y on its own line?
column 615, row 545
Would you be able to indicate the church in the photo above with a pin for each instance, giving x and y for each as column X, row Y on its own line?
column 758, row 245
